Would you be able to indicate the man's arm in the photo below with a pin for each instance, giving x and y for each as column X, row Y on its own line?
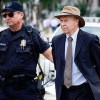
column 48, row 54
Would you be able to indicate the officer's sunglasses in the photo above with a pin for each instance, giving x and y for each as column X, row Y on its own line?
column 10, row 15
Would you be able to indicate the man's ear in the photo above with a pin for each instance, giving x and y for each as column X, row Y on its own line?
column 22, row 15
column 77, row 20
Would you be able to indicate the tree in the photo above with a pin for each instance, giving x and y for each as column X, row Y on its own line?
column 82, row 6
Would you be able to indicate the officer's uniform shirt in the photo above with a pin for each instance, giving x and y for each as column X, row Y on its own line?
column 18, row 57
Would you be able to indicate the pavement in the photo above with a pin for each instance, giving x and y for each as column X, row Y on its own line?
column 49, row 97
column 50, row 91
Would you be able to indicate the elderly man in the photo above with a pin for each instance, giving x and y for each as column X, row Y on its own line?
column 76, row 57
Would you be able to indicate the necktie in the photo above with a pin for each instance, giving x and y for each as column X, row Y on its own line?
column 67, row 74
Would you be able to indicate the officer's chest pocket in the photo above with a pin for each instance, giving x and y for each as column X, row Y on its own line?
column 3, row 48
column 24, row 51
column 3, row 53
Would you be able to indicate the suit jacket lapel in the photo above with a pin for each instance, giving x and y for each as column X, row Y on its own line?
column 62, row 52
column 79, row 42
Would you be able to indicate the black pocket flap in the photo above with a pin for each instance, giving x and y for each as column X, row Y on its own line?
column 21, row 50
column 3, row 48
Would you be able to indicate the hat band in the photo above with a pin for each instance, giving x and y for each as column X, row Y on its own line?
column 70, row 13
column 67, row 12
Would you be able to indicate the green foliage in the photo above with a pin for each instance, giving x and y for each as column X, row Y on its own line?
column 96, row 12
column 83, row 7
column 46, row 3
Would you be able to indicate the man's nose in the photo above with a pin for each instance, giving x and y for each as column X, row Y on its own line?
column 7, row 17
column 63, row 23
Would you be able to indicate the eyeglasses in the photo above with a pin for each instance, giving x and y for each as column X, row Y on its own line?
column 10, row 15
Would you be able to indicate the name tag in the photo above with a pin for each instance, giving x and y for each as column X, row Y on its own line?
column 2, row 44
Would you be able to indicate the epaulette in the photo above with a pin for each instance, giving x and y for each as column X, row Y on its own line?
column 31, row 30
column 4, row 32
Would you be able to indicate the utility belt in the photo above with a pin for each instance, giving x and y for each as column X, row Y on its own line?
column 18, row 81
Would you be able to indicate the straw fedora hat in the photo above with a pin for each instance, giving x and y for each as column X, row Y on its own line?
column 71, row 11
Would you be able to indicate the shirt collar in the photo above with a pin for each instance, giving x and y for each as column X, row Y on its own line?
column 74, row 35
column 21, row 33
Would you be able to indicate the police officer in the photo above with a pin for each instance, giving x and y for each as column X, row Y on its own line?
column 18, row 59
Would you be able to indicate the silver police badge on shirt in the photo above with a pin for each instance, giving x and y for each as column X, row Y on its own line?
column 23, row 44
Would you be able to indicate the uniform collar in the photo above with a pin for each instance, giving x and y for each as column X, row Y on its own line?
column 19, row 34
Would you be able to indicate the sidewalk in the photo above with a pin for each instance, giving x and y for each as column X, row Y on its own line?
column 49, row 97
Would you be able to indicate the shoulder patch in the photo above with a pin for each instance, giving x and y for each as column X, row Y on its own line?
column 4, row 32
column 43, row 37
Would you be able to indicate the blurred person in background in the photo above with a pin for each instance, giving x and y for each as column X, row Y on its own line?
column 76, row 55
column 19, row 56
column 54, row 24
column 46, row 25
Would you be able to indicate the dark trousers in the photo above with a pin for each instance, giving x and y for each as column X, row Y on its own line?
column 27, row 91
column 81, row 92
